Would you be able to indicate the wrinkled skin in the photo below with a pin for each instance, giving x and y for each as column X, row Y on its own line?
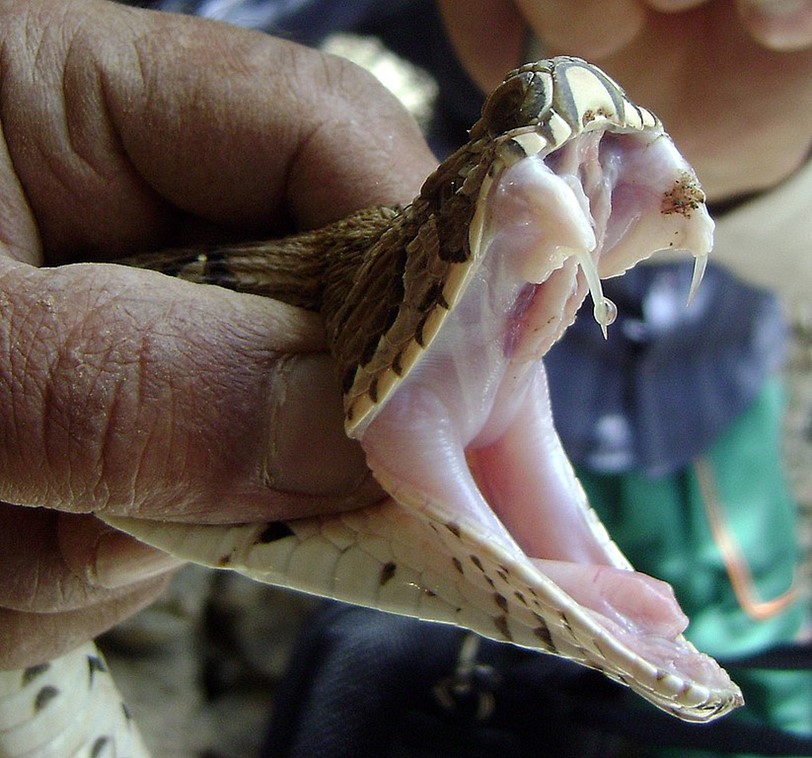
column 113, row 389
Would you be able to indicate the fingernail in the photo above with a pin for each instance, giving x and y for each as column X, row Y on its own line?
column 779, row 24
column 309, row 451
column 122, row 561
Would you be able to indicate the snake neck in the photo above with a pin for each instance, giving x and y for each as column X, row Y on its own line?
column 388, row 292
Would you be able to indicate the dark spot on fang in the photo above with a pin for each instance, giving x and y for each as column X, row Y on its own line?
column 454, row 528
column 520, row 597
column 44, row 696
column 458, row 565
column 372, row 391
column 387, row 572
column 477, row 563
column 501, row 601
column 126, row 711
column 428, row 592
column 276, row 530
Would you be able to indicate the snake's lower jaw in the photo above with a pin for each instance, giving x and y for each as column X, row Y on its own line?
column 530, row 563
column 533, row 491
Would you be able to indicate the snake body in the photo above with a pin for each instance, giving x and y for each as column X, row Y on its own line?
column 392, row 284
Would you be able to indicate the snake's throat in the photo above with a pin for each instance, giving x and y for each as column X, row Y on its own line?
column 468, row 438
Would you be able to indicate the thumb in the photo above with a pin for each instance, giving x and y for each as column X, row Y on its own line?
column 130, row 393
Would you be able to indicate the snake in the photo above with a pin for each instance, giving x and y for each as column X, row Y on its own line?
column 438, row 315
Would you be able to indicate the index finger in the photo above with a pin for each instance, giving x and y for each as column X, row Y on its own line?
column 123, row 383
column 131, row 126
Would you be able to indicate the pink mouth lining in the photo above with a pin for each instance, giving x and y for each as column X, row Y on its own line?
column 469, row 432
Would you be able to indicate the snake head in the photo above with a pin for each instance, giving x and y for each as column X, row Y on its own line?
column 564, row 182
column 439, row 319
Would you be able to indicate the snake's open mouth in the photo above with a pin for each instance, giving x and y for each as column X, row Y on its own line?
column 468, row 439
column 438, row 315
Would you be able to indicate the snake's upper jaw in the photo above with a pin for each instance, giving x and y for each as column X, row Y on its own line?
column 611, row 201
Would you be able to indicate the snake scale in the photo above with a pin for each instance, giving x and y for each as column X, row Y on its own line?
column 438, row 315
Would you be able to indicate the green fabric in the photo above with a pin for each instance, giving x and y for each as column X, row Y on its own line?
column 661, row 525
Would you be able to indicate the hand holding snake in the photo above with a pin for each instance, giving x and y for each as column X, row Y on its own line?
column 128, row 128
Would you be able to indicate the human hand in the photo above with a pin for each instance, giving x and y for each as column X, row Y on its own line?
column 731, row 81
column 131, row 393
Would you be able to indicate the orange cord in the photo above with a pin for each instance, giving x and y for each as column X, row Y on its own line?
column 736, row 566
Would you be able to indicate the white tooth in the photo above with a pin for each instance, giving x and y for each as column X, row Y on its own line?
column 700, row 262
column 604, row 310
